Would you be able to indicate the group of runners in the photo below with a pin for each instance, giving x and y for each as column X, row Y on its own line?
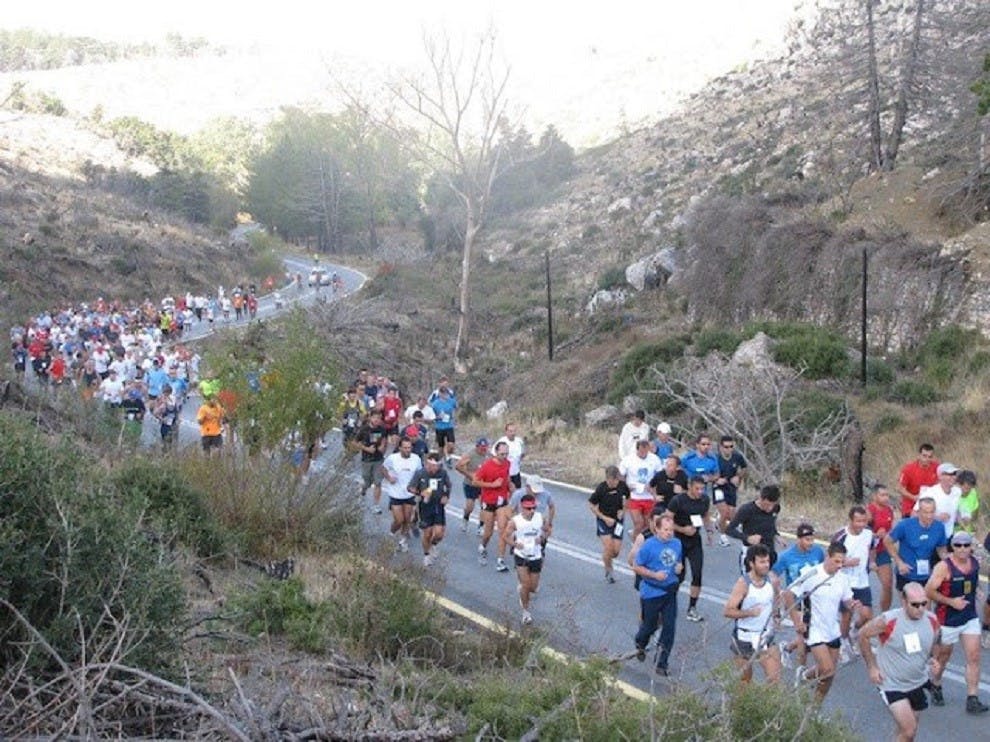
column 679, row 500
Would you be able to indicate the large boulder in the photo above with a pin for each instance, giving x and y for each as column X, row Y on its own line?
column 497, row 410
column 606, row 416
column 653, row 271
column 756, row 352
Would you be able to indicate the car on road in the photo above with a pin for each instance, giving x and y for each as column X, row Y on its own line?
column 319, row 277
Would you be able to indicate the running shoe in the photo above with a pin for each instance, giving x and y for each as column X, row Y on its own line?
column 527, row 618
column 844, row 657
column 640, row 653
column 609, row 578
column 500, row 565
column 481, row 529
column 799, row 678
column 377, row 510
column 661, row 671
column 693, row 615
column 482, row 555
column 403, row 545
column 975, row 706
column 937, row 698
column 427, row 560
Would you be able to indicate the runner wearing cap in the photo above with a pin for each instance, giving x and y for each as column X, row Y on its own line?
column 607, row 503
column 952, row 587
column 663, row 444
column 527, row 533
column 466, row 466
column 946, row 495
column 914, row 543
column 906, row 639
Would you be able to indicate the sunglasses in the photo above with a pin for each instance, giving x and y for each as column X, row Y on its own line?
column 962, row 546
column 918, row 605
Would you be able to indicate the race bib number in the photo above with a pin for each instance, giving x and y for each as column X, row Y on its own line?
column 912, row 643
column 697, row 521
column 922, row 568
column 618, row 530
column 530, row 547
column 719, row 495
column 433, row 484
column 444, row 417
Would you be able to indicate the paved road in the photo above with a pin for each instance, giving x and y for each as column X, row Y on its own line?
column 580, row 614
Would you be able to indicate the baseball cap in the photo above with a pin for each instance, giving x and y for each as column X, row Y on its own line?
column 481, row 442
column 962, row 538
column 664, row 428
column 805, row 529
column 535, row 483
column 947, row 468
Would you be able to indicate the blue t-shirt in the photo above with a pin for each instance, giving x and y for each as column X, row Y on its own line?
column 916, row 545
column 696, row 465
column 157, row 378
column 444, row 409
column 659, row 556
column 793, row 561
column 663, row 450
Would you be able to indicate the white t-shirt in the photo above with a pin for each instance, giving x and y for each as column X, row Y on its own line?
column 947, row 503
column 638, row 472
column 428, row 414
column 516, row 450
column 402, row 469
column 827, row 592
column 529, row 534
column 858, row 547
column 628, row 437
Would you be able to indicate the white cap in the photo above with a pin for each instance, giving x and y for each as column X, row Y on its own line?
column 947, row 468
column 534, row 482
column 664, row 428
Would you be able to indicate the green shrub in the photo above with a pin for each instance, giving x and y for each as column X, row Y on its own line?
column 774, row 713
column 911, row 392
column 716, row 338
column 73, row 552
column 878, row 371
column 887, row 422
column 281, row 608
column 178, row 510
column 819, row 351
column 943, row 355
column 612, row 278
column 385, row 615
column 627, row 377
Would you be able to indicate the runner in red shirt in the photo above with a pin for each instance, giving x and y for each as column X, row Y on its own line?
column 917, row 474
column 492, row 478
column 881, row 521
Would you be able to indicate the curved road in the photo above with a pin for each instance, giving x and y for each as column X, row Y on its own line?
column 580, row 614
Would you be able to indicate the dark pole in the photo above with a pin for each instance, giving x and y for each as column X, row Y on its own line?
column 549, row 312
column 862, row 336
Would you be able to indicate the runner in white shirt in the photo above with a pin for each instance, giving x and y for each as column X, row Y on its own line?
column 517, row 449
column 946, row 495
column 827, row 586
column 399, row 468
column 638, row 470
column 858, row 540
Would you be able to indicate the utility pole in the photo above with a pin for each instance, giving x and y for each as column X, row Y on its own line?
column 549, row 310
column 862, row 333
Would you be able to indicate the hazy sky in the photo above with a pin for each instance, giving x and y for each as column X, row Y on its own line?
column 392, row 27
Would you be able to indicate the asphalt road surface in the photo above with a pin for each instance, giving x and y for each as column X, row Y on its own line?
column 580, row 614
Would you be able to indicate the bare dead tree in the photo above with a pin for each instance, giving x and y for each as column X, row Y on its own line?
column 759, row 406
column 462, row 102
